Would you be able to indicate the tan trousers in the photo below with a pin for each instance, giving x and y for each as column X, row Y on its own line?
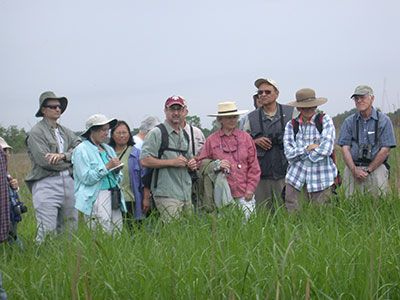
column 376, row 184
column 293, row 196
column 268, row 191
column 170, row 208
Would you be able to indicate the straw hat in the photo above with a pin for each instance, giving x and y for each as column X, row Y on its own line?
column 228, row 109
column 3, row 144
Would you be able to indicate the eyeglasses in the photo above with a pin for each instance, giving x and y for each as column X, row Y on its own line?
column 358, row 98
column 266, row 92
column 53, row 106
column 121, row 133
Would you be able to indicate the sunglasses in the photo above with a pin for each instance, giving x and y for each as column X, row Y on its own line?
column 53, row 106
column 266, row 92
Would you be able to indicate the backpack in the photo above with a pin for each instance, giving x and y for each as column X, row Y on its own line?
column 147, row 178
column 318, row 123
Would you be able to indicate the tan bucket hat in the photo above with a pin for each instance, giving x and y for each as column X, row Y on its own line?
column 228, row 108
column 50, row 95
column 306, row 98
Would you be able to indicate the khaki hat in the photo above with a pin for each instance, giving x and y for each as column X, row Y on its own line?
column 269, row 81
column 362, row 90
column 98, row 120
column 228, row 109
column 50, row 95
column 306, row 98
column 3, row 144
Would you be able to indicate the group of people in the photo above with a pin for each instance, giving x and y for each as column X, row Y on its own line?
column 116, row 179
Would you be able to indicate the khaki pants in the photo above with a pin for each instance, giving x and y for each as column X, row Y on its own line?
column 171, row 208
column 376, row 184
column 268, row 191
column 292, row 199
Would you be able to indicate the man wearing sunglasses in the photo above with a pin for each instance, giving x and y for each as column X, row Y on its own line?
column 50, row 148
column 366, row 138
column 266, row 125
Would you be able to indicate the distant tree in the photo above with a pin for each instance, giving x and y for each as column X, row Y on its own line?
column 194, row 121
column 14, row 137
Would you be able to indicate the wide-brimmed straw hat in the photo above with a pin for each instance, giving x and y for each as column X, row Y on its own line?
column 3, row 144
column 306, row 98
column 228, row 109
column 47, row 96
column 98, row 120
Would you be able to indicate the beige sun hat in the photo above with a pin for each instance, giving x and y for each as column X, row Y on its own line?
column 306, row 98
column 3, row 144
column 98, row 120
column 228, row 108
column 50, row 95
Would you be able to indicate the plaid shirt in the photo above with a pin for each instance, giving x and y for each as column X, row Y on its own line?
column 4, row 201
column 315, row 169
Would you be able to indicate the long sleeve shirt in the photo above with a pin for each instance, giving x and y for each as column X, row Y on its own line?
column 315, row 168
column 239, row 149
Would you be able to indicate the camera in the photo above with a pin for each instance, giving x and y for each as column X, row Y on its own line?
column 364, row 153
column 19, row 208
column 276, row 139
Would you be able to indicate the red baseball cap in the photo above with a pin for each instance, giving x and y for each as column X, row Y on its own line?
column 175, row 100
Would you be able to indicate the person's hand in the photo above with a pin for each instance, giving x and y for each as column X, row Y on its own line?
column 13, row 183
column 146, row 200
column 248, row 196
column 192, row 164
column 263, row 142
column 225, row 166
column 114, row 162
column 54, row 158
column 360, row 174
column 180, row 161
column 311, row 147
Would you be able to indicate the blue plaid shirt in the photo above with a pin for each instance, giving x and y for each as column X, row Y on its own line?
column 316, row 168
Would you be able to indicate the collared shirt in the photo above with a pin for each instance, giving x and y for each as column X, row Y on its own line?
column 239, row 149
column 366, row 133
column 314, row 169
column 89, row 170
column 41, row 140
column 172, row 182
column 4, row 200
column 198, row 136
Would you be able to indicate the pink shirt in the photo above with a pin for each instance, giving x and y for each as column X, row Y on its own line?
column 240, row 150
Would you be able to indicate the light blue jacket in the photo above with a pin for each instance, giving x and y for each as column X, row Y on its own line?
column 89, row 170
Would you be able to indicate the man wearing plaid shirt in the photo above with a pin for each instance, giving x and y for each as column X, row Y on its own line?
column 4, row 202
column 308, row 153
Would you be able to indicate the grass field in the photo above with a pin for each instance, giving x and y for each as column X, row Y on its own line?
column 349, row 249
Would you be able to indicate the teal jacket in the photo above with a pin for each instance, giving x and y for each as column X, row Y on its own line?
column 89, row 170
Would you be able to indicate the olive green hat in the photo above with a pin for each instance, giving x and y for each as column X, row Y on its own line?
column 50, row 95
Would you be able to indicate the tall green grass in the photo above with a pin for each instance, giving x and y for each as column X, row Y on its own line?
column 346, row 250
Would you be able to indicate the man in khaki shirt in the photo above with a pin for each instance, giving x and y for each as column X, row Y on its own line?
column 171, row 187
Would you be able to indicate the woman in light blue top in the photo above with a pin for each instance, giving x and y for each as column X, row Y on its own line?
column 97, row 176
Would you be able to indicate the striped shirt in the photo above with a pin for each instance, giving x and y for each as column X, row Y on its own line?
column 314, row 169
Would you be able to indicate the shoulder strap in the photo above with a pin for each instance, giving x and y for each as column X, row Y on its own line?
column 295, row 125
column 164, row 139
column 281, row 116
column 318, row 121
column 192, row 136
column 376, row 127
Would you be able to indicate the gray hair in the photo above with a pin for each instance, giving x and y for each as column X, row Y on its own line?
column 148, row 124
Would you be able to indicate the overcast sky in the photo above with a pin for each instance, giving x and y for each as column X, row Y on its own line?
column 124, row 58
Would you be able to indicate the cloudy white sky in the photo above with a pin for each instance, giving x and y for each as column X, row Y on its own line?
column 124, row 58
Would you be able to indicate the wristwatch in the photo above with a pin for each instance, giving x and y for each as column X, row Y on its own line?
column 368, row 171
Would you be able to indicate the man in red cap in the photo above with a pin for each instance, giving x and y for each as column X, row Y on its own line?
column 171, row 183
